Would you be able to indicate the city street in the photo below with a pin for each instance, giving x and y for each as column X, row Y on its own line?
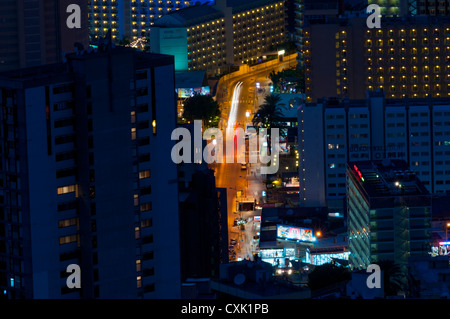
column 238, row 96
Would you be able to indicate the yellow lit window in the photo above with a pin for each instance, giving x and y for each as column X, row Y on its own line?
column 66, row 189
column 69, row 239
column 144, row 174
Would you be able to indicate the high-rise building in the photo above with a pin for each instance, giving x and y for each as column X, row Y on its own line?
column 35, row 32
column 405, row 57
column 388, row 213
column 203, row 218
column 336, row 131
column 130, row 19
column 87, row 179
column 212, row 38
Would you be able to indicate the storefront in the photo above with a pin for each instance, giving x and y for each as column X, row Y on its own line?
column 440, row 249
column 280, row 258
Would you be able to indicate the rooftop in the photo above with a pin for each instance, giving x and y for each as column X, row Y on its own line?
column 386, row 178
column 62, row 71
column 190, row 79
column 240, row 6
column 189, row 16
column 194, row 15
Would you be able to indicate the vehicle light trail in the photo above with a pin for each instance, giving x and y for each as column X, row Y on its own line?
column 234, row 106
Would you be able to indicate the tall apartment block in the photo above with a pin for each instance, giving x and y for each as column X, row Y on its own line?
column 87, row 179
column 336, row 131
column 34, row 32
column 405, row 57
column 130, row 19
column 388, row 213
column 212, row 38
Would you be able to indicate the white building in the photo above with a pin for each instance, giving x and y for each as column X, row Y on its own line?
column 332, row 132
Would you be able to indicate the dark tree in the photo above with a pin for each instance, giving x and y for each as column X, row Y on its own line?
column 269, row 112
column 202, row 107
column 396, row 278
column 327, row 274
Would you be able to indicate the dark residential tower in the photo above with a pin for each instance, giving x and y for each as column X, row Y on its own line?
column 35, row 32
column 86, row 177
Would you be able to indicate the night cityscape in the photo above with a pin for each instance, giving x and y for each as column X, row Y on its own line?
column 226, row 152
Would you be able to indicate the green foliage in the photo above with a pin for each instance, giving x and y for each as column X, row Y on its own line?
column 202, row 107
column 395, row 277
column 269, row 112
column 277, row 79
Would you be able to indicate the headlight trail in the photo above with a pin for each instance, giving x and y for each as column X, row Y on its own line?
column 233, row 110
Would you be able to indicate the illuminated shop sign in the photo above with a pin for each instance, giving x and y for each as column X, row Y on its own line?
column 295, row 233
column 442, row 250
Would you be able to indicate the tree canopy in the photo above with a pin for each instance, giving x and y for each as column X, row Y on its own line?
column 327, row 274
column 202, row 107
column 269, row 112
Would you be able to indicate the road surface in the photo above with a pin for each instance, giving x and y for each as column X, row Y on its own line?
column 236, row 97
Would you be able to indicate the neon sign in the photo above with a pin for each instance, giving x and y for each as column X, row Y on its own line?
column 358, row 172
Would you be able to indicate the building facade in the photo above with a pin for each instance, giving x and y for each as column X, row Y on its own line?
column 388, row 213
column 34, row 32
column 212, row 38
column 130, row 19
column 405, row 57
column 335, row 132
column 81, row 183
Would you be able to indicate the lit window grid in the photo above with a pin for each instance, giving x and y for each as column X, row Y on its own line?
column 269, row 29
column 414, row 61
column 206, row 45
column 103, row 15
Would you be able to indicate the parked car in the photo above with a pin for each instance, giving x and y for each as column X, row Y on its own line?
column 243, row 166
column 233, row 241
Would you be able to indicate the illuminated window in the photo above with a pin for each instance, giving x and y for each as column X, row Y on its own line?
column 66, row 189
column 146, row 223
column 69, row 239
column 145, row 207
column 68, row 222
column 137, row 233
column 138, row 265
column 144, row 174
column 154, row 127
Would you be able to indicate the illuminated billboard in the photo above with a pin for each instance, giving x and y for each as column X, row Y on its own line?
column 184, row 93
column 295, row 233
